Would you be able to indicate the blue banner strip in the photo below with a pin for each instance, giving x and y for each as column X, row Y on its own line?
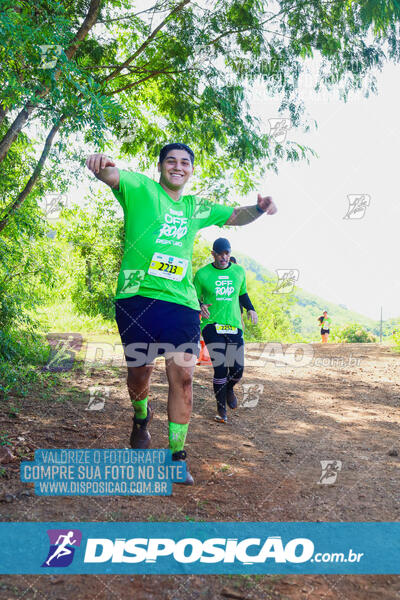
column 103, row 472
column 200, row 548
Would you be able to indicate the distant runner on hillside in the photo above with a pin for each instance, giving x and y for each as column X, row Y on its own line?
column 325, row 323
column 219, row 286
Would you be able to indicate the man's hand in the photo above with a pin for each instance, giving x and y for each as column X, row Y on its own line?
column 95, row 162
column 251, row 314
column 204, row 311
column 103, row 167
column 266, row 204
column 243, row 215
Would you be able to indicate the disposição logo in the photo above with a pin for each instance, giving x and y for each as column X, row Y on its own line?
column 62, row 547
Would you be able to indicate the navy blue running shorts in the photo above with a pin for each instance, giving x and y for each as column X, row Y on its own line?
column 150, row 328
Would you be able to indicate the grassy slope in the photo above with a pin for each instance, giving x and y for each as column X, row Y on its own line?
column 309, row 306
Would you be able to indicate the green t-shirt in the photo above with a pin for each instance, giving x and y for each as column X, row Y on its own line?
column 159, row 238
column 325, row 322
column 221, row 288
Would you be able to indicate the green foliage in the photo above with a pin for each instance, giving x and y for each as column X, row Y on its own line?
column 389, row 327
column 201, row 254
column 63, row 316
column 307, row 307
column 4, row 441
column 29, row 261
column 396, row 336
column 27, row 275
column 353, row 334
column 96, row 236
column 140, row 79
column 182, row 71
column 18, row 375
column 274, row 323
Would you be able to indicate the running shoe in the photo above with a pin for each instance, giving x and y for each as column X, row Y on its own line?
column 221, row 418
column 231, row 399
column 140, row 437
column 181, row 456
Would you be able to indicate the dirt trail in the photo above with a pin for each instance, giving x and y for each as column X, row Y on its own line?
column 342, row 404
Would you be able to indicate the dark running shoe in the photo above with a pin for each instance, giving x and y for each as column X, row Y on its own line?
column 140, row 437
column 221, row 417
column 181, row 456
column 231, row 399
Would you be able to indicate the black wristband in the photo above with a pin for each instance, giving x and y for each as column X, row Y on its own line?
column 260, row 210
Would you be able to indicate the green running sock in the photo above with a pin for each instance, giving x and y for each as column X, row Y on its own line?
column 177, row 436
column 140, row 407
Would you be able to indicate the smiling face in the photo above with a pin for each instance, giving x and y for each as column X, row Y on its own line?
column 175, row 169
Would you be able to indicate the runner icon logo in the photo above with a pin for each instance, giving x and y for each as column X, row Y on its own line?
column 133, row 277
column 278, row 129
column 251, row 394
column 49, row 56
column 128, row 130
column 53, row 205
column 358, row 204
column 63, row 348
column 330, row 470
column 62, row 547
column 286, row 281
column 98, row 396
column 202, row 211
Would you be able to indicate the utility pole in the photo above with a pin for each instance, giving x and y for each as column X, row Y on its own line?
column 380, row 336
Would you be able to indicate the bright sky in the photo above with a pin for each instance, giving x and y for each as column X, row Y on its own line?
column 347, row 261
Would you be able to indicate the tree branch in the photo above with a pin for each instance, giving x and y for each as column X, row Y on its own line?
column 84, row 29
column 138, row 81
column 15, row 129
column 14, row 206
column 146, row 42
column 226, row 33
column 3, row 113
column 122, row 17
column 23, row 116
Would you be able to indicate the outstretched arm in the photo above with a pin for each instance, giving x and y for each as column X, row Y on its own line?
column 103, row 167
column 247, row 214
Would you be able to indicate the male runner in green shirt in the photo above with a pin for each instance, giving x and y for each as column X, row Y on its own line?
column 220, row 286
column 157, row 311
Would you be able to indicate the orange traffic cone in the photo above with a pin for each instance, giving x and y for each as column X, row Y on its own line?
column 204, row 358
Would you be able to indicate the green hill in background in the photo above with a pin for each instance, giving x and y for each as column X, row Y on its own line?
column 308, row 307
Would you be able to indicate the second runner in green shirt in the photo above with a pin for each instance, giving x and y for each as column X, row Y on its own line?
column 221, row 289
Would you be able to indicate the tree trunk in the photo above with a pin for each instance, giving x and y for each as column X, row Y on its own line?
column 3, row 113
column 15, row 129
column 14, row 206
column 88, row 277
column 29, row 107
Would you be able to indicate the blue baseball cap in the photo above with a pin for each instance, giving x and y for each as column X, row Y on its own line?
column 221, row 245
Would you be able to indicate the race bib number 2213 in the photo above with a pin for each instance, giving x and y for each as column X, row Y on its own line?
column 168, row 267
